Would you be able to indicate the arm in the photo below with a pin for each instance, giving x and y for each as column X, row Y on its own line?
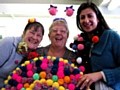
column 5, row 49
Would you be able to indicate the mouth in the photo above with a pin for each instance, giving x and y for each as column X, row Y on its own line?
column 32, row 41
column 58, row 38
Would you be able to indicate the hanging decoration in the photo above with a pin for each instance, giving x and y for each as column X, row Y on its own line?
column 69, row 11
column 52, row 10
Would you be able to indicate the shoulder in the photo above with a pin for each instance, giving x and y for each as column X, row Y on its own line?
column 42, row 50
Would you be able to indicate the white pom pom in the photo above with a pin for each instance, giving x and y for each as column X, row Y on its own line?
column 75, row 37
column 79, row 60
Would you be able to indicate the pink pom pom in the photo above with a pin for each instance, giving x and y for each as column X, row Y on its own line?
column 60, row 68
column 45, row 60
column 19, row 86
column 29, row 67
column 61, row 63
column 78, row 35
column 19, row 79
column 60, row 74
column 82, row 68
column 80, row 39
column 72, row 76
column 30, row 73
column 44, row 66
column 14, row 76
column 52, row 11
column 71, row 87
column 77, row 76
column 80, row 46
column 69, row 12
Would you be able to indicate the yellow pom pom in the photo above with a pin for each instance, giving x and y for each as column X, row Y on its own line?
column 27, row 62
column 48, row 57
column 72, row 65
column 6, row 81
column 32, row 19
column 17, row 68
column 28, row 88
column 49, row 82
column 36, row 81
column 65, row 61
column 3, row 89
column 35, row 59
column 42, row 80
column 55, row 84
column 14, row 71
column 81, row 73
column 61, row 88
column 61, row 59
column 9, row 77
column 22, row 64
column 32, row 86
column 53, row 58
column 41, row 58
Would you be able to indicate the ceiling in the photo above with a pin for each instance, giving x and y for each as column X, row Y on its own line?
column 16, row 8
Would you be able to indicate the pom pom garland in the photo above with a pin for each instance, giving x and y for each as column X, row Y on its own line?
column 44, row 72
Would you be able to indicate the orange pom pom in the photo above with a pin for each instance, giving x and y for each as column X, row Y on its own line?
column 60, row 81
column 26, row 85
column 67, row 79
column 42, row 74
column 95, row 39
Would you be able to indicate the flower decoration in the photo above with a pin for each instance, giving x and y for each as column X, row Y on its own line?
column 52, row 10
column 44, row 73
column 22, row 48
column 69, row 11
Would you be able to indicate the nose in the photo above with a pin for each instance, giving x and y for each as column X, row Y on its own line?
column 86, row 19
column 34, row 36
column 58, row 31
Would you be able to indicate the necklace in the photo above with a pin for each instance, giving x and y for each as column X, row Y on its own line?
column 83, row 45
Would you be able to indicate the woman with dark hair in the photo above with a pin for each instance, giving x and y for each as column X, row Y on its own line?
column 14, row 49
column 99, row 50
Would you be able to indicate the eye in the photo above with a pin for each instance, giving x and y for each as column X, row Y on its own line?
column 82, row 17
column 90, row 15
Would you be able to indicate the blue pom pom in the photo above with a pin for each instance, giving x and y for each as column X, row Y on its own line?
column 24, row 74
column 74, row 47
column 15, row 83
column 24, row 69
column 54, row 71
column 38, row 63
column 39, row 69
column 10, row 82
column 67, row 72
column 76, row 71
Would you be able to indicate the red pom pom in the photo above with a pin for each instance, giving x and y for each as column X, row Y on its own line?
column 52, row 11
column 80, row 46
column 95, row 39
column 69, row 12
column 82, row 68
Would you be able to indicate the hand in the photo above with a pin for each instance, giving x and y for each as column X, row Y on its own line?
column 88, row 79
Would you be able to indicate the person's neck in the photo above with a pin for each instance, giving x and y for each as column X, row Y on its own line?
column 56, row 51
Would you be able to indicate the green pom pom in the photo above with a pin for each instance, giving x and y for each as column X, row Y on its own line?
column 54, row 78
column 36, row 76
column 22, row 89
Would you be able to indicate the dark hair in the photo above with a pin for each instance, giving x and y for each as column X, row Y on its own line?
column 102, row 23
column 36, row 25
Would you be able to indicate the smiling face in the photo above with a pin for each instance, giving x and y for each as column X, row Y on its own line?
column 88, row 20
column 32, row 37
column 58, row 35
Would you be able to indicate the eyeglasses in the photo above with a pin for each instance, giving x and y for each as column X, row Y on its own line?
column 59, row 19
column 61, row 31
